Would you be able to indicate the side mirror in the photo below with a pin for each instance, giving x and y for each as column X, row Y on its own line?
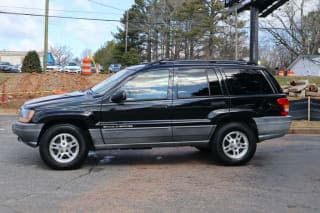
column 119, row 97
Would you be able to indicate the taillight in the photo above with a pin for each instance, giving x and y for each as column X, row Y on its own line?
column 284, row 104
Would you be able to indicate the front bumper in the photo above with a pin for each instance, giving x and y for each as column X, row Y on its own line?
column 27, row 132
column 272, row 127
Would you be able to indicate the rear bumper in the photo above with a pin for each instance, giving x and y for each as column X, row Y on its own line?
column 272, row 127
column 27, row 132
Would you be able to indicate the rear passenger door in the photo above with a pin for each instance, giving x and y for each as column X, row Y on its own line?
column 197, row 93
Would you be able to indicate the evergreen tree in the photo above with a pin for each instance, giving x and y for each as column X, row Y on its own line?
column 31, row 63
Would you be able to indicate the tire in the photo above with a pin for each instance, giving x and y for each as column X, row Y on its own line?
column 234, row 144
column 63, row 147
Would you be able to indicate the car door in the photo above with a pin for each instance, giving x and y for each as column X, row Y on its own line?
column 197, row 94
column 144, row 117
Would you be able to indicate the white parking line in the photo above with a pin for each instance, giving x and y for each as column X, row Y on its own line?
column 2, row 129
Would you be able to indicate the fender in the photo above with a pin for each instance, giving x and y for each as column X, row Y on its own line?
column 235, row 114
column 85, row 117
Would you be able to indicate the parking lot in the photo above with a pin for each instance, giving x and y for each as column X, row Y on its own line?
column 284, row 176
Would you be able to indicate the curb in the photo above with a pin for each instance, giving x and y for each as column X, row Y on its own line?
column 310, row 131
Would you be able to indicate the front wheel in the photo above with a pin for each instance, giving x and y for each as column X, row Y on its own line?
column 234, row 144
column 63, row 147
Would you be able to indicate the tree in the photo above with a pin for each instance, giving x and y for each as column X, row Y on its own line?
column 295, row 30
column 174, row 29
column 105, row 54
column 31, row 63
column 62, row 54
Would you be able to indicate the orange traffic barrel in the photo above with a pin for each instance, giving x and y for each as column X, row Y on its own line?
column 281, row 72
column 290, row 73
column 86, row 66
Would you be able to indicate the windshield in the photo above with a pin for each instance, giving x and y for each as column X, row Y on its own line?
column 107, row 84
column 72, row 64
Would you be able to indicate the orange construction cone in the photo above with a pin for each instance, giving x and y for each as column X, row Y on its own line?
column 86, row 66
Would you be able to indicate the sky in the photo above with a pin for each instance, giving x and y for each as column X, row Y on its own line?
column 27, row 32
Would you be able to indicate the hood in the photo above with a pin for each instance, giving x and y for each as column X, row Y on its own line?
column 56, row 99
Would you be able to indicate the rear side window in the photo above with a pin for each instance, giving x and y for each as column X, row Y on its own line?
column 192, row 82
column 197, row 82
column 247, row 82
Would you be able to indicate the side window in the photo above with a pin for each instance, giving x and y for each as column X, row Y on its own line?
column 150, row 85
column 246, row 82
column 192, row 82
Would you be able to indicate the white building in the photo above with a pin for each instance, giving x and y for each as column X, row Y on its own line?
column 16, row 57
column 306, row 65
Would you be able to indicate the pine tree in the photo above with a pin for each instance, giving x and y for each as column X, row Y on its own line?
column 31, row 63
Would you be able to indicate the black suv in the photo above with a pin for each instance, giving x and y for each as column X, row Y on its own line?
column 224, row 107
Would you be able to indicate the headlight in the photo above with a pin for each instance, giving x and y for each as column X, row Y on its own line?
column 26, row 115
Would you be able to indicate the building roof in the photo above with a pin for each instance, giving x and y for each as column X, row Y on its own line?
column 312, row 58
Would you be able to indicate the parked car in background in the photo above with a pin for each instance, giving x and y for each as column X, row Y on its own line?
column 9, row 68
column 54, row 68
column 15, row 68
column 223, row 108
column 5, row 66
column 72, row 68
column 115, row 67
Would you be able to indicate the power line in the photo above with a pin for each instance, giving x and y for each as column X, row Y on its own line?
column 60, row 10
column 62, row 17
column 115, row 20
column 106, row 5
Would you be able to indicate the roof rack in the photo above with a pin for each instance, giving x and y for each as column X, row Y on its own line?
column 204, row 61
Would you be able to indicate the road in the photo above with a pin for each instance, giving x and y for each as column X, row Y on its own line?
column 284, row 176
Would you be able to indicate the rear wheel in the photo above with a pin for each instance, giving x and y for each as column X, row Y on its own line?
column 234, row 144
column 63, row 147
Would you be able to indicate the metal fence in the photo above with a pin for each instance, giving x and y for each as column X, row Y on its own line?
column 305, row 109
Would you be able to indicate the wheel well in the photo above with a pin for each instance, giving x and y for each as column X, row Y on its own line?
column 248, row 121
column 78, row 123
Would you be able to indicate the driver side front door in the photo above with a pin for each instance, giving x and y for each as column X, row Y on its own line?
column 143, row 118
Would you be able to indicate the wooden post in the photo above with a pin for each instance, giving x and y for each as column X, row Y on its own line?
column 309, row 107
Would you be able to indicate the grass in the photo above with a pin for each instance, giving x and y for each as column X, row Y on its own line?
column 285, row 80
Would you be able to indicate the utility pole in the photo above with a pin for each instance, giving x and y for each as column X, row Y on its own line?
column 127, row 29
column 254, row 35
column 237, row 36
column 45, row 52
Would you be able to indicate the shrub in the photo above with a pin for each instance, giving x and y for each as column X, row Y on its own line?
column 31, row 63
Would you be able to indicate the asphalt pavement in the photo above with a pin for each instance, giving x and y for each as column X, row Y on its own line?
column 284, row 176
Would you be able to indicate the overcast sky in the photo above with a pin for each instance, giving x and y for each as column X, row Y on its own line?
column 27, row 33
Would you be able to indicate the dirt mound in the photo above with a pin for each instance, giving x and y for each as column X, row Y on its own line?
column 23, row 86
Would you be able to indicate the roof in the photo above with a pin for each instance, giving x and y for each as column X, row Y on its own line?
column 312, row 58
